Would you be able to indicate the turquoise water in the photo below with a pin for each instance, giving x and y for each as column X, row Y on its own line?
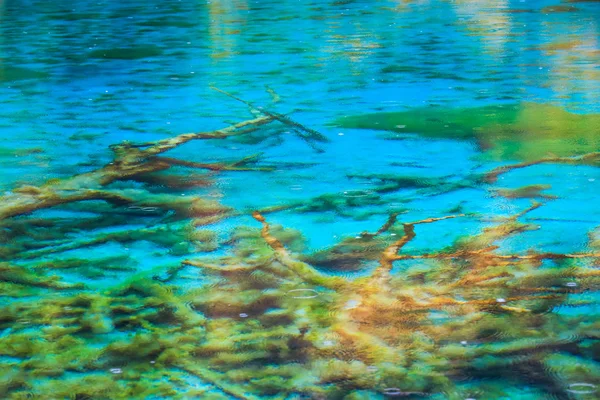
column 409, row 208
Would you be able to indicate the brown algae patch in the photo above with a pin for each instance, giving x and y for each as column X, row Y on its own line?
column 559, row 9
column 559, row 46
column 526, row 192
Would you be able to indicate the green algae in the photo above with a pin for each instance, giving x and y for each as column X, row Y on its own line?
column 22, row 276
column 127, row 53
column 249, row 243
column 390, row 69
column 10, row 73
column 525, row 131
column 12, row 152
column 179, row 240
column 168, row 21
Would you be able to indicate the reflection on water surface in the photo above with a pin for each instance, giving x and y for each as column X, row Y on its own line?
column 378, row 199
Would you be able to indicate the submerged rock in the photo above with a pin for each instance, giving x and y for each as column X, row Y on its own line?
column 524, row 131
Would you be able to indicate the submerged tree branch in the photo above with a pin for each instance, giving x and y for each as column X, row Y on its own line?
column 391, row 252
column 492, row 176
column 302, row 269
column 131, row 162
column 309, row 135
column 488, row 254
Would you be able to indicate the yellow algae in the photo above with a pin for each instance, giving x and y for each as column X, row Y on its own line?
column 570, row 45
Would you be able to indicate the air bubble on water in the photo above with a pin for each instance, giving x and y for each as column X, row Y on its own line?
column 350, row 304
column 582, row 388
column 392, row 392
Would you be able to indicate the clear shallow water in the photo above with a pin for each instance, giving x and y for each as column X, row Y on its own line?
column 158, row 295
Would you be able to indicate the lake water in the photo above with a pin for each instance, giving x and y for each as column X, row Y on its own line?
column 266, row 199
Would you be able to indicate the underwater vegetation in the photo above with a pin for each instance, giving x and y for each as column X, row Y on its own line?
column 252, row 316
column 272, row 325
column 132, row 53
column 524, row 131
column 9, row 73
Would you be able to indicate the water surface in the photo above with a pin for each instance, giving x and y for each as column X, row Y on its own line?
column 408, row 206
